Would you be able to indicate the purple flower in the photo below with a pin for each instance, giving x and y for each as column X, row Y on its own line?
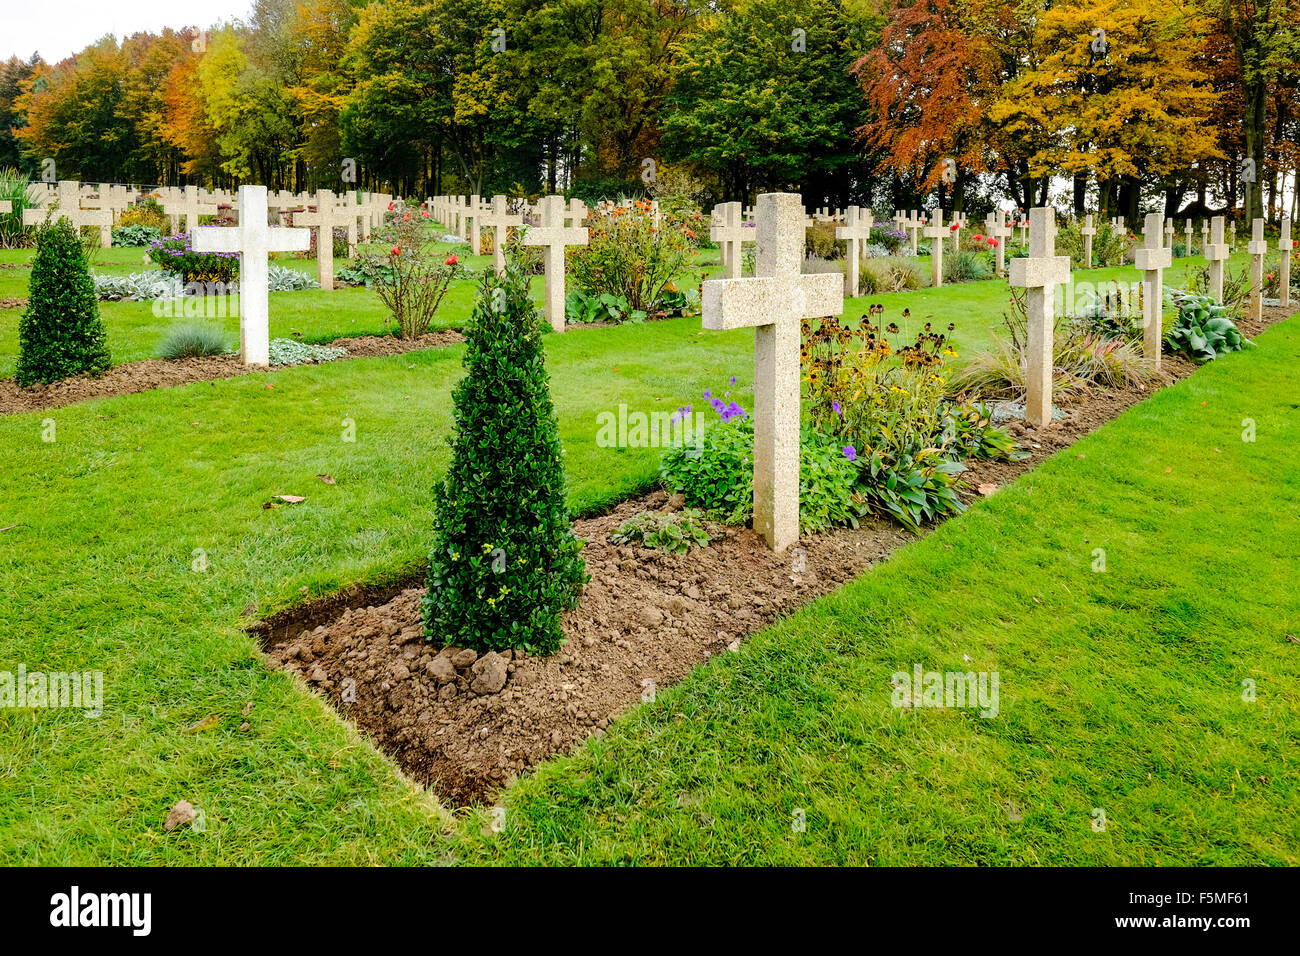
column 836, row 406
column 850, row 452
column 708, row 394
column 733, row 380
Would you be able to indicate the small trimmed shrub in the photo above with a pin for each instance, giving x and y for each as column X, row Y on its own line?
column 193, row 341
column 674, row 533
column 60, row 333
column 504, row 564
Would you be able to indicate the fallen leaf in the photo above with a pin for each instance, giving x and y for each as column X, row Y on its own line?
column 271, row 388
column 248, row 709
column 1168, row 470
column 180, row 815
column 207, row 723
column 289, row 499
column 987, row 489
column 244, row 725
column 327, row 479
column 8, row 527
column 268, row 505
column 1292, row 639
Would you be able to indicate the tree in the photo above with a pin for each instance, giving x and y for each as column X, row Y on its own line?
column 764, row 98
column 60, row 333
column 1118, row 94
column 504, row 564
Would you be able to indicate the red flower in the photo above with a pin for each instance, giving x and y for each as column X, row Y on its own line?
column 425, row 214
column 396, row 250
column 993, row 243
column 450, row 261
column 978, row 237
column 407, row 217
column 390, row 207
column 954, row 225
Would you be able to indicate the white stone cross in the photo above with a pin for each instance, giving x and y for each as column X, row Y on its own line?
column 329, row 213
column 1040, row 273
column 856, row 232
column 1284, row 246
column 68, row 196
column 1088, row 231
column 191, row 206
column 954, row 231
column 1217, row 252
column 914, row 229
column 254, row 241
column 1000, row 232
column 475, row 223
column 729, row 232
column 1187, row 238
column 1169, row 234
column 1258, row 248
column 935, row 232
column 1152, row 259
column 6, row 206
column 498, row 219
column 554, row 235
column 773, row 303
column 1205, row 234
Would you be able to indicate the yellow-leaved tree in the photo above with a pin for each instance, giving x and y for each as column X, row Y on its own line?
column 1116, row 93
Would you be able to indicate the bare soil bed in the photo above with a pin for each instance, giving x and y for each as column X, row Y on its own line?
column 466, row 725
column 131, row 377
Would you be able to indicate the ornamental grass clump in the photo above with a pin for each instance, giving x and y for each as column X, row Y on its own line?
column 60, row 334
column 504, row 564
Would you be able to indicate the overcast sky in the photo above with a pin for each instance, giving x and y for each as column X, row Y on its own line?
column 58, row 28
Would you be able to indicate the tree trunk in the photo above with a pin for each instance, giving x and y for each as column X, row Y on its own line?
column 1080, row 194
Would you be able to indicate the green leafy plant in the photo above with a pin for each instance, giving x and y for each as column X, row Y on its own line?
column 410, row 276
column 13, row 187
column 193, row 341
column 585, row 307
column 673, row 533
column 967, row 266
column 911, row 488
column 504, row 564
column 139, row 287
column 60, row 333
column 176, row 254
column 632, row 257
column 970, row 433
column 715, row 473
column 147, row 215
column 293, row 352
column 135, row 235
column 1203, row 330
column 284, row 279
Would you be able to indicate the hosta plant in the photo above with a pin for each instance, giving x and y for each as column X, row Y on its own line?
column 1203, row 330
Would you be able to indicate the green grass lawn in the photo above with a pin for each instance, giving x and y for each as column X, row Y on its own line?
column 111, row 520
column 134, row 332
column 1120, row 691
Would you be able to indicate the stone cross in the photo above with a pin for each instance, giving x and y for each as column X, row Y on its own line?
column 498, row 219
column 475, row 223
column 1216, row 251
column 1258, row 248
column 1169, row 234
column 1205, row 234
column 6, row 206
column 935, row 232
column 68, row 196
column 1284, row 246
column 773, row 303
column 554, row 235
column 1187, row 238
column 1000, row 231
column 954, row 231
column 1040, row 273
column 328, row 214
column 1152, row 259
column 856, row 232
column 190, row 205
column 728, row 232
column 254, row 241
column 1087, row 231
column 914, row 229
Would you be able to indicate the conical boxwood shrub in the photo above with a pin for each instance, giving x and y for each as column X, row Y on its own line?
column 61, row 333
column 505, row 563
